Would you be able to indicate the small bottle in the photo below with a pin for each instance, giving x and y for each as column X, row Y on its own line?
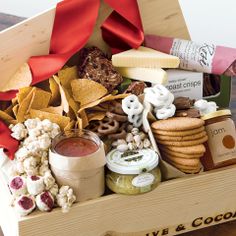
column 221, row 144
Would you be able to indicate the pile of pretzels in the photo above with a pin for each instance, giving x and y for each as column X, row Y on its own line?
column 113, row 125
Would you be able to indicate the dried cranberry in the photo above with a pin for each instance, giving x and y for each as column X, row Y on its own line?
column 26, row 203
column 16, row 183
column 47, row 199
column 34, row 178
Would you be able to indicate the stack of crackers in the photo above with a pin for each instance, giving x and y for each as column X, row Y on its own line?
column 180, row 140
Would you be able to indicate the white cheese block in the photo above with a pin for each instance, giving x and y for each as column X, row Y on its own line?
column 144, row 57
column 152, row 75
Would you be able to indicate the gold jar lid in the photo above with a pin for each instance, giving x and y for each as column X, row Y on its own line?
column 225, row 112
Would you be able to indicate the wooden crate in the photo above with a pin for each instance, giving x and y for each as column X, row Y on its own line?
column 174, row 207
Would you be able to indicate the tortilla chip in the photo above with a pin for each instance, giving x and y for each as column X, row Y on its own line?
column 86, row 91
column 55, row 110
column 70, row 126
column 20, row 79
column 9, row 110
column 15, row 109
column 41, row 99
column 64, row 101
column 55, row 91
column 84, row 119
column 66, row 75
column 107, row 98
column 22, row 93
column 25, row 106
column 62, row 121
column 5, row 117
column 79, row 123
column 96, row 116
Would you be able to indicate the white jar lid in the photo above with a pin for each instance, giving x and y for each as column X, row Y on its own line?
column 143, row 161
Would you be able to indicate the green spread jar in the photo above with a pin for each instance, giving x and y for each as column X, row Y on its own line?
column 133, row 172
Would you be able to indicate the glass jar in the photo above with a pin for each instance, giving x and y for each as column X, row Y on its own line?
column 221, row 144
column 133, row 172
column 77, row 159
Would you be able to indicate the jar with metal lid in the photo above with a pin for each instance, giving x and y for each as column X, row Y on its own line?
column 133, row 172
column 221, row 144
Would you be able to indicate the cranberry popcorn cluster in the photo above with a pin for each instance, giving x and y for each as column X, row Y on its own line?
column 32, row 183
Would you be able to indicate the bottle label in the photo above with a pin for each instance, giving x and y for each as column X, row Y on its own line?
column 222, row 141
column 194, row 56
column 143, row 180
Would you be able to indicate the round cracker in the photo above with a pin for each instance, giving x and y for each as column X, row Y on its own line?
column 178, row 124
column 179, row 133
column 187, row 150
column 181, row 155
column 181, row 161
column 184, row 143
column 186, row 169
column 181, row 138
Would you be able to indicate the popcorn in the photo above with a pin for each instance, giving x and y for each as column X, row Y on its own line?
column 32, row 123
column 19, row 167
column 18, row 186
column 45, row 201
column 44, row 142
column 19, row 131
column 35, row 185
column 49, row 180
column 31, row 171
column 24, row 205
column 35, row 132
column 47, row 125
column 31, row 166
column 65, row 198
column 22, row 153
column 44, row 168
column 54, row 190
column 34, row 147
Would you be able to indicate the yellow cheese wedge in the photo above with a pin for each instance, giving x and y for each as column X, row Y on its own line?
column 152, row 75
column 144, row 57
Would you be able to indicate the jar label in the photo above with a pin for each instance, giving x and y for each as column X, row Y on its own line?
column 222, row 140
column 143, row 180
column 194, row 56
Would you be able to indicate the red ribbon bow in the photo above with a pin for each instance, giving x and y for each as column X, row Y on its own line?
column 73, row 24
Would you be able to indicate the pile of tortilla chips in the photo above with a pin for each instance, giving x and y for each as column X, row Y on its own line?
column 65, row 99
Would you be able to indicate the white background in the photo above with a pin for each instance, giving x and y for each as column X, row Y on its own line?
column 207, row 20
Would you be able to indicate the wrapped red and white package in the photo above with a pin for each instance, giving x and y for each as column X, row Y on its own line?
column 201, row 57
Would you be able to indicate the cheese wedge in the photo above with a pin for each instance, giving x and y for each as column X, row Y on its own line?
column 145, row 57
column 152, row 75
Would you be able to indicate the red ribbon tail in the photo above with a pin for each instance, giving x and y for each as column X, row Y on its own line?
column 7, row 142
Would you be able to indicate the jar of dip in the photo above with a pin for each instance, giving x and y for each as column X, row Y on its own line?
column 133, row 172
column 77, row 159
column 221, row 144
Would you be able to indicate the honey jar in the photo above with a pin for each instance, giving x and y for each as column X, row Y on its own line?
column 221, row 144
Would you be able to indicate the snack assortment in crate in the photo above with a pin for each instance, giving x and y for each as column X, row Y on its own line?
column 125, row 122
